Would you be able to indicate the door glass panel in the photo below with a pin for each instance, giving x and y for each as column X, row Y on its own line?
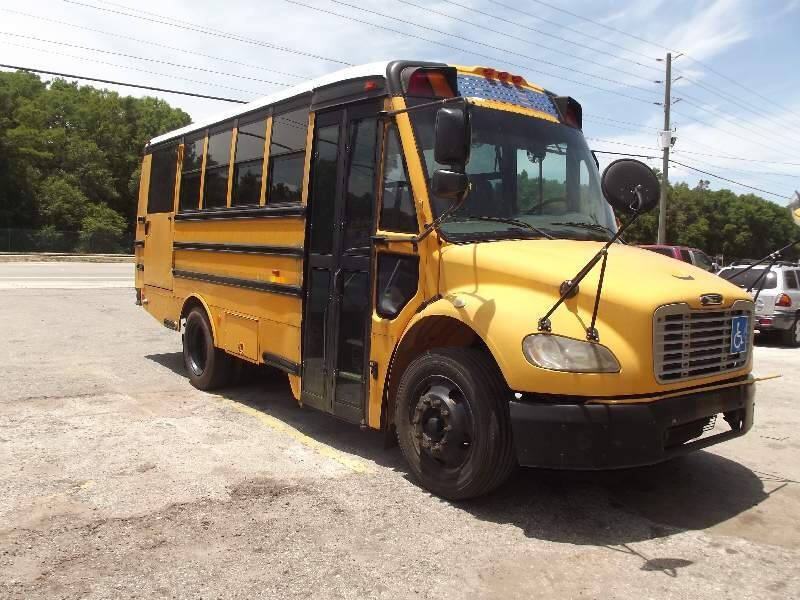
column 360, row 191
column 397, row 205
column 313, row 350
column 351, row 345
column 323, row 193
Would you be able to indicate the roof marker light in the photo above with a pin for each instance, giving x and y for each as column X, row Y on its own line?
column 503, row 76
column 516, row 79
column 487, row 72
column 369, row 86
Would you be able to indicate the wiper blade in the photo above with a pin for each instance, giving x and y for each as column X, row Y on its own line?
column 507, row 220
column 585, row 225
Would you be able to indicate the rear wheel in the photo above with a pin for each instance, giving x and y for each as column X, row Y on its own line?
column 452, row 423
column 791, row 337
column 209, row 367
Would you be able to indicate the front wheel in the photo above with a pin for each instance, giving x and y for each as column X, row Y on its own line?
column 791, row 337
column 452, row 423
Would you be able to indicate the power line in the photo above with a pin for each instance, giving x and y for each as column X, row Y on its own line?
column 527, row 41
column 122, row 83
column 651, row 43
column 151, row 43
column 653, row 157
column 559, row 25
column 504, row 50
column 770, row 162
column 731, row 180
column 103, row 62
column 444, row 45
column 207, row 31
column 152, row 60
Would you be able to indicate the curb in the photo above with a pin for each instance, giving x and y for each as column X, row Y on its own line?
column 65, row 257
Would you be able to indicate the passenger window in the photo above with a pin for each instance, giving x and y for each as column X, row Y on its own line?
column 248, row 163
column 218, row 160
column 397, row 206
column 702, row 261
column 790, row 278
column 398, row 275
column 161, row 191
column 685, row 257
column 287, row 156
column 190, row 173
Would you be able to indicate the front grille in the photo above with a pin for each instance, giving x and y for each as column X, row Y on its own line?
column 688, row 343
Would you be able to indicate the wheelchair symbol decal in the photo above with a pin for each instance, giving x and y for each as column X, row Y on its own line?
column 739, row 334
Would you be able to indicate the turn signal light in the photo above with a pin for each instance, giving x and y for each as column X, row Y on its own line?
column 783, row 300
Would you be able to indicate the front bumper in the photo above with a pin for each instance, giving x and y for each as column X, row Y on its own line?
column 611, row 436
column 775, row 321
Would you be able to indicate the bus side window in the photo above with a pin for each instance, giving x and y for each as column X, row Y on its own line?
column 215, row 194
column 161, row 191
column 287, row 153
column 398, row 276
column 248, row 163
column 190, row 174
column 397, row 204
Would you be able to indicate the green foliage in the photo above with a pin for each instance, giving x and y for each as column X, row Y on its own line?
column 718, row 222
column 101, row 229
column 70, row 154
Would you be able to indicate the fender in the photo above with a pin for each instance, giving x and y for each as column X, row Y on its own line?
column 197, row 298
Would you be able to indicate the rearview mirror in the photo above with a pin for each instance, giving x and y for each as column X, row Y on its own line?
column 449, row 185
column 453, row 136
column 630, row 186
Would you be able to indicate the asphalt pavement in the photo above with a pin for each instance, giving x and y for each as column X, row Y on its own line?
column 120, row 480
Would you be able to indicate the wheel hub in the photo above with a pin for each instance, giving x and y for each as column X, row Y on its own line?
column 441, row 424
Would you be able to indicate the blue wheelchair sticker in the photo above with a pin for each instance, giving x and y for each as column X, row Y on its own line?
column 740, row 333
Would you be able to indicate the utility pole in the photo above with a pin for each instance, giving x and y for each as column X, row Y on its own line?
column 665, row 143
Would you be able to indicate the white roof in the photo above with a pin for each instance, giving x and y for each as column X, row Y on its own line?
column 368, row 70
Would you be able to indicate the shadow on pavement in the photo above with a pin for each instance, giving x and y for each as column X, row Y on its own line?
column 601, row 508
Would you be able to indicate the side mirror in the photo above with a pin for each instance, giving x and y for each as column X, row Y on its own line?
column 630, row 186
column 453, row 136
column 450, row 185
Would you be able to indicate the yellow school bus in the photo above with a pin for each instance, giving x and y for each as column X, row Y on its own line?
column 430, row 250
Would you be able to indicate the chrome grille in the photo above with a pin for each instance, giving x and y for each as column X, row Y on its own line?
column 688, row 343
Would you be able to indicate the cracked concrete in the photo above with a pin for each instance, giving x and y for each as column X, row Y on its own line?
column 119, row 480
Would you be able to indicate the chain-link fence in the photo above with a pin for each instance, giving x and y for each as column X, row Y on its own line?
column 48, row 240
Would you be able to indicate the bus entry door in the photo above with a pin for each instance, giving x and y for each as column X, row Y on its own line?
column 338, row 286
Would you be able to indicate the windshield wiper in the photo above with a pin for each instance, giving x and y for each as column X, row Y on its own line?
column 507, row 220
column 590, row 226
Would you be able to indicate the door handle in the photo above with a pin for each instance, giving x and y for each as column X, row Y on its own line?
column 147, row 227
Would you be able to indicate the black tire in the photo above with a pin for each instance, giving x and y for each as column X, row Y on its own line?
column 476, row 454
column 791, row 337
column 209, row 368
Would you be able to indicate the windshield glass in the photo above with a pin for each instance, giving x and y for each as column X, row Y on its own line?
column 535, row 172
column 748, row 279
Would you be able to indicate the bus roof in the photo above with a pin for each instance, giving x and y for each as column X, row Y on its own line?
column 376, row 69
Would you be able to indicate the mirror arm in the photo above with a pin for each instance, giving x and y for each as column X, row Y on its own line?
column 385, row 114
column 570, row 286
column 763, row 260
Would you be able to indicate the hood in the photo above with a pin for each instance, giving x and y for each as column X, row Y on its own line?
column 502, row 289
column 633, row 276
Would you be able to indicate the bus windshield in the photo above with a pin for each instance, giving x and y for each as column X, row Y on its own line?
column 529, row 178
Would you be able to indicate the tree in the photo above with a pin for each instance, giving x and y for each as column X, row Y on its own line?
column 66, row 148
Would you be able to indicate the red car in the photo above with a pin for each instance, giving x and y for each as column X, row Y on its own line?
column 693, row 256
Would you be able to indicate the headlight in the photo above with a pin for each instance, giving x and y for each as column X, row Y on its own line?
column 560, row 353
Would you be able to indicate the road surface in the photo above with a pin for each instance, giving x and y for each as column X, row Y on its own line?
column 120, row 480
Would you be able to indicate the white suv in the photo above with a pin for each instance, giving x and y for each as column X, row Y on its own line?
column 778, row 304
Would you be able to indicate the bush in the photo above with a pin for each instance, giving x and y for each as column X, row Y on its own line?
column 102, row 230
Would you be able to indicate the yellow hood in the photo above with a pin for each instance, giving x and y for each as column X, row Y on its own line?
column 501, row 289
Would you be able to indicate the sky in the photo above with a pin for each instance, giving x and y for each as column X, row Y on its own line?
column 736, row 88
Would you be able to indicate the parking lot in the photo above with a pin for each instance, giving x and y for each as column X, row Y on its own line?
column 120, row 480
